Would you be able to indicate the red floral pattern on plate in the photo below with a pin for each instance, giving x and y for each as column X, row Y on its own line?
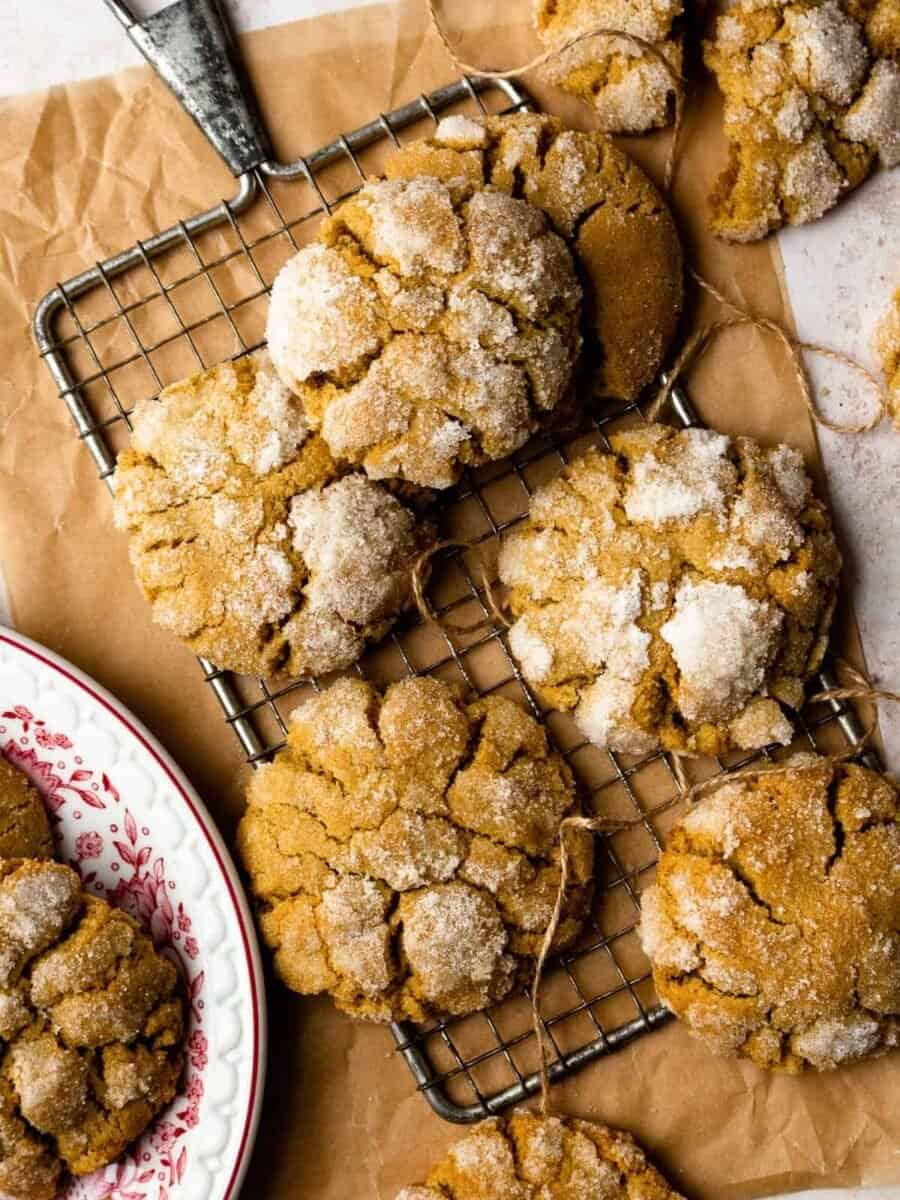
column 115, row 859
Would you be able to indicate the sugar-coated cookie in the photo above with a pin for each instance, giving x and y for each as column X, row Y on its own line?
column 773, row 923
column 617, row 224
column 90, row 1027
column 672, row 591
column 528, row 1157
column 432, row 326
column 812, row 105
column 249, row 541
column 404, row 849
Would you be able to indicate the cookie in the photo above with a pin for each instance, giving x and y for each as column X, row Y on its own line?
column 617, row 224
column 527, row 1157
column 90, row 1030
column 629, row 88
column 24, row 827
column 249, row 541
column 433, row 326
column 887, row 347
column 812, row 105
column 404, row 849
column 773, row 923
column 671, row 592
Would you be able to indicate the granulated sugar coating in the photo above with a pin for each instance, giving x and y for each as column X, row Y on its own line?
column 812, row 105
column 629, row 88
column 404, row 849
column 611, row 215
column 672, row 592
column 887, row 347
column 434, row 325
column 772, row 925
column 24, row 827
column 90, row 1026
column 249, row 541
column 527, row 1157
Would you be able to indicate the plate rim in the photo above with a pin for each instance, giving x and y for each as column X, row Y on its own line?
column 134, row 726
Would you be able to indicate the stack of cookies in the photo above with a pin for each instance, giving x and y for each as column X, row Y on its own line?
column 91, row 1016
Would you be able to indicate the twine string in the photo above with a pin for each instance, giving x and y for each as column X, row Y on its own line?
column 860, row 687
column 592, row 825
column 697, row 345
column 600, row 31
column 420, row 574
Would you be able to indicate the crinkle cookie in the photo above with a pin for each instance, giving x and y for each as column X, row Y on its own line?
column 405, row 849
column 629, row 88
column 527, row 1157
column 773, row 923
column 812, row 103
column 671, row 592
column 244, row 536
column 90, row 1030
column 24, row 827
column 611, row 215
column 887, row 347
column 433, row 325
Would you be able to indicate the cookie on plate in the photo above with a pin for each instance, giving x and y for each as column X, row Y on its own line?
column 432, row 326
column 24, row 827
column 671, row 592
column 527, row 1157
column 887, row 347
column 773, row 923
column 404, row 849
column 249, row 541
column 90, row 1029
column 628, row 87
column 615, row 221
column 812, row 105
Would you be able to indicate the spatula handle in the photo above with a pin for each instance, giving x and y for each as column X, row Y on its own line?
column 191, row 46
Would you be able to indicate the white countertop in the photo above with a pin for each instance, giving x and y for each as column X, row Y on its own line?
column 840, row 275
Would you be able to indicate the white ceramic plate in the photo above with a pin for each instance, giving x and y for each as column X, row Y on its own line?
column 129, row 822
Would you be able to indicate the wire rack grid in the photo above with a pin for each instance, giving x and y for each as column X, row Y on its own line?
column 194, row 295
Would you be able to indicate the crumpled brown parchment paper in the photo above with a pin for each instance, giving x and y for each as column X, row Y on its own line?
column 84, row 171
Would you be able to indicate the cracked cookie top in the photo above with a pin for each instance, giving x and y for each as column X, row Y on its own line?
column 24, row 827
column 248, row 540
column 773, row 923
column 433, row 325
column 887, row 347
column 812, row 104
column 404, row 849
column 670, row 592
column 528, row 1157
column 615, row 221
column 629, row 88
column 90, row 1029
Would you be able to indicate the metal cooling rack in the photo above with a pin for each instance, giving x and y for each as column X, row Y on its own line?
column 194, row 295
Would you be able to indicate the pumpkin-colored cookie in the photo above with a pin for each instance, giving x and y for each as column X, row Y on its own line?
column 615, row 221
column 773, row 923
column 90, row 1030
column 887, row 347
column 433, row 325
column 527, row 1157
column 671, row 592
column 812, row 104
column 24, row 827
column 405, row 849
column 628, row 87
column 249, row 541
